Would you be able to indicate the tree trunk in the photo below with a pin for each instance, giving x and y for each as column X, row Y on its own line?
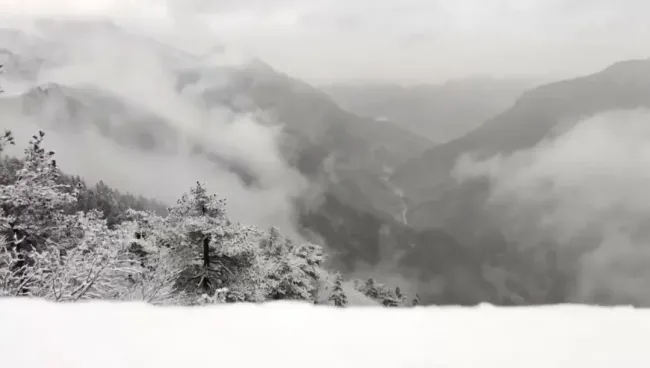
column 205, row 282
column 206, row 252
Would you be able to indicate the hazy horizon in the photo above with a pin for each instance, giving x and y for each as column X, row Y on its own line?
column 173, row 93
column 328, row 41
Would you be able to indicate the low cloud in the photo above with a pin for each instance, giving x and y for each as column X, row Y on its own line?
column 585, row 192
column 142, row 72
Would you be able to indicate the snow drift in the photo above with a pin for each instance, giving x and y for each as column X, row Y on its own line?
column 101, row 334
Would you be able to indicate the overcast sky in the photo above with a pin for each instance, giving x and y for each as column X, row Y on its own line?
column 404, row 40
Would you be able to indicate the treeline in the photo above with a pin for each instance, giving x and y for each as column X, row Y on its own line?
column 384, row 295
column 112, row 203
column 64, row 240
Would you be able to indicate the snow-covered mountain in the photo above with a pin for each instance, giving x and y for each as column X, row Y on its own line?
column 274, row 132
column 440, row 112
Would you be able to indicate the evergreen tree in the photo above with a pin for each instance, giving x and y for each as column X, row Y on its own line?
column 6, row 138
column 370, row 289
column 292, row 271
column 398, row 293
column 401, row 298
column 198, row 225
column 416, row 300
column 272, row 243
column 49, row 252
column 106, row 202
column 65, row 241
column 33, row 205
column 389, row 299
column 338, row 295
column 389, row 302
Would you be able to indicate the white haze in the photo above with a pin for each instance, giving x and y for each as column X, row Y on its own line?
column 587, row 191
column 134, row 69
column 397, row 40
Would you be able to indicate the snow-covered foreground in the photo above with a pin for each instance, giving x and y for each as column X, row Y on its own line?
column 99, row 334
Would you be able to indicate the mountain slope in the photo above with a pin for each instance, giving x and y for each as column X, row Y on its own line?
column 304, row 111
column 540, row 112
column 437, row 200
column 438, row 112
column 345, row 156
column 343, row 152
column 349, row 157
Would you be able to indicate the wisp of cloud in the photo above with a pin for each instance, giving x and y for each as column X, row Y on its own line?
column 142, row 70
column 586, row 191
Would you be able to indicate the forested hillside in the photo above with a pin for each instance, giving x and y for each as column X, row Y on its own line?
column 133, row 112
column 303, row 163
column 65, row 241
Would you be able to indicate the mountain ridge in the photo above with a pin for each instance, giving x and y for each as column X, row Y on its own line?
column 440, row 112
column 343, row 154
column 619, row 86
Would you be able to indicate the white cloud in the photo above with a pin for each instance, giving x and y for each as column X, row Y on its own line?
column 135, row 69
column 337, row 39
column 587, row 190
column 67, row 8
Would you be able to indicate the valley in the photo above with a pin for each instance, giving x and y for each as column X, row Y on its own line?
column 388, row 194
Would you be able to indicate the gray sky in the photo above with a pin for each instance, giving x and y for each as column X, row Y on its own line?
column 403, row 40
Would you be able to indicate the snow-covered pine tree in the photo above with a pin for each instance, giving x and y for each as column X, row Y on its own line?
column 338, row 295
column 5, row 139
column 197, row 223
column 416, row 300
column 287, row 281
column 401, row 298
column 51, row 251
column 158, row 267
column 388, row 298
column 106, row 202
column 370, row 289
column 291, row 272
column 211, row 251
column 379, row 292
column 273, row 244
column 52, row 254
column 34, row 205
column 97, row 266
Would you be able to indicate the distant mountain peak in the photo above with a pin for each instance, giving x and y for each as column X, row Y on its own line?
column 629, row 67
column 537, row 114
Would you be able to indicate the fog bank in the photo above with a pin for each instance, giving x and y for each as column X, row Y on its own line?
column 138, row 72
column 585, row 194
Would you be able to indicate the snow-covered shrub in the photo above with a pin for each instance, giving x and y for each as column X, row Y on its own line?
column 52, row 254
column 203, row 251
column 291, row 271
column 193, row 255
column 337, row 296
column 381, row 293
